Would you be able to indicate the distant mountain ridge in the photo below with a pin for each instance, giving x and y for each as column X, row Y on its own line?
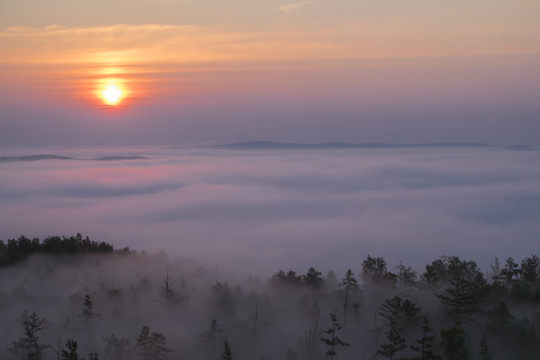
column 268, row 145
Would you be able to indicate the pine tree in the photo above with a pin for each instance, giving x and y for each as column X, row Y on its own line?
column 28, row 347
column 479, row 290
column 374, row 271
column 400, row 318
column 453, row 344
column 215, row 333
column 405, row 276
column 313, row 278
column 88, row 308
column 458, row 296
column 425, row 343
column 529, row 282
column 151, row 346
column 70, row 353
column 410, row 318
column 395, row 342
column 144, row 346
column 430, row 278
column 116, row 347
column 333, row 341
column 350, row 284
column 227, row 355
column 158, row 342
column 510, row 273
column 499, row 319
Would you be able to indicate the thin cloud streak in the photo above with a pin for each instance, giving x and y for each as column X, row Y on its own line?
column 290, row 8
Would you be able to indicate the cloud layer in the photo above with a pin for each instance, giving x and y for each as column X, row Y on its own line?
column 287, row 208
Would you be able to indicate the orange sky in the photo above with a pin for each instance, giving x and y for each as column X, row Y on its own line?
column 184, row 51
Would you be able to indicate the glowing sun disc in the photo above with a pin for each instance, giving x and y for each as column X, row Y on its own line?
column 111, row 94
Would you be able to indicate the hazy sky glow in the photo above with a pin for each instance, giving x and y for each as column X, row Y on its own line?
column 142, row 76
column 315, row 70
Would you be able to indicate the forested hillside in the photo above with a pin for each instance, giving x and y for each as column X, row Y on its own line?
column 73, row 298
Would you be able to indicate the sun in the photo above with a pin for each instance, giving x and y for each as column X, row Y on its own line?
column 111, row 92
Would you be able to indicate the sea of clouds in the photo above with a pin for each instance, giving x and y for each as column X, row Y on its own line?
column 258, row 211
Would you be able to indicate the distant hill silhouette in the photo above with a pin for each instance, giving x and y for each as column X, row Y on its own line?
column 269, row 145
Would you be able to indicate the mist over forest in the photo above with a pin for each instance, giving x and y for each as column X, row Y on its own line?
column 72, row 298
column 377, row 252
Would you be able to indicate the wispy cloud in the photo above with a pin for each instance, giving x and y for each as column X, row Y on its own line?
column 153, row 43
column 290, row 8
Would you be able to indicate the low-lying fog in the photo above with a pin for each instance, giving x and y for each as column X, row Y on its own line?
column 258, row 211
column 103, row 302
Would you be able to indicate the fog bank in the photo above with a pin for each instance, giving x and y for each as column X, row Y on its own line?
column 267, row 209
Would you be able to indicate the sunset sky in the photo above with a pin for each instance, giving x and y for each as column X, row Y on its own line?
column 139, row 77
column 198, row 71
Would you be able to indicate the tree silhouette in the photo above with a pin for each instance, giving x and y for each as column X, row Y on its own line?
column 227, row 355
column 17, row 250
column 453, row 344
column 116, row 347
column 529, row 281
column 458, row 296
column 474, row 309
column 332, row 340
column 151, row 346
column 168, row 293
column 70, row 352
column 281, row 278
column 430, row 278
column 211, row 336
column 144, row 345
column 28, row 347
column 349, row 284
column 391, row 314
column 510, row 273
column 405, row 276
column 88, row 309
column 313, row 278
column 400, row 318
column 499, row 319
column 425, row 343
column 375, row 272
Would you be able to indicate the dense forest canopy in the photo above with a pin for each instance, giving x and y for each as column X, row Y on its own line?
column 73, row 298
column 15, row 250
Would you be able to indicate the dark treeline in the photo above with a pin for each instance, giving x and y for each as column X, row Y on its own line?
column 16, row 250
column 118, row 305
